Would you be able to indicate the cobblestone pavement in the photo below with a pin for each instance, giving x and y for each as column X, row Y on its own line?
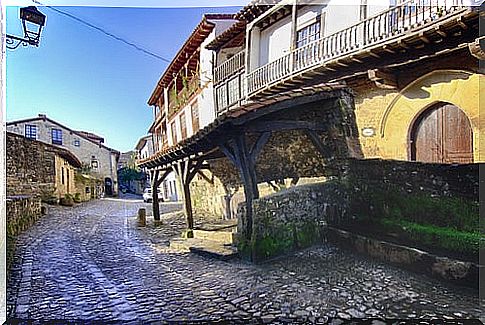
column 92, row 262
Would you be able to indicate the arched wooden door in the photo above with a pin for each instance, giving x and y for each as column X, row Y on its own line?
column 442, row 134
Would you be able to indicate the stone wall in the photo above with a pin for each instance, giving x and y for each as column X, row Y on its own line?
column 437, row 180
column 290, row 219
column 30, row 167
column 293, row 218
column 86, row 152
column 21, row 211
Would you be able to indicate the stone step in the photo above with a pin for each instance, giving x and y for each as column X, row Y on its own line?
column 204, row 247
column 225, row 237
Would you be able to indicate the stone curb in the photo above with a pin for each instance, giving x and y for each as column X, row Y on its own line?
column 443, row 268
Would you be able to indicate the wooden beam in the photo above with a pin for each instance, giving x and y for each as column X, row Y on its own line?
column 382, row 79
column 281, row 125
column 315, row 139
column 206, row 178
column 258, row 146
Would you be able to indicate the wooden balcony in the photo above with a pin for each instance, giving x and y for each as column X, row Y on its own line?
column 229, row 67
column 229, row 82
column 181, row 98
column 406, row 18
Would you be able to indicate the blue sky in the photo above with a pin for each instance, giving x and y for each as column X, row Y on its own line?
column 88, row 81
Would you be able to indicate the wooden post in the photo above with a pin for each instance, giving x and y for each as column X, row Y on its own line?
column 155, row 184
column 237, row 151
column 181, row 168
column 155, row 206
column 142, row 217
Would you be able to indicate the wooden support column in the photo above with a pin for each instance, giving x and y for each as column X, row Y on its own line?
column 155, row 184
column 245, row 160
column 186, row 170
column 155, row 207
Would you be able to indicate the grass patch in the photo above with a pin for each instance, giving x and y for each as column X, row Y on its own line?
column 446, row 212
column 433, row 236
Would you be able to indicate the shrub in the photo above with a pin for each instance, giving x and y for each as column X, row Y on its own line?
column 77, row 198
column 67, row 200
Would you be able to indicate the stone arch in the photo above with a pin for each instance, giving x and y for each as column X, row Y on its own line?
column 459, row 88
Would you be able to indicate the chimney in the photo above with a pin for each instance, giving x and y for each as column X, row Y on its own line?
column 43, row 116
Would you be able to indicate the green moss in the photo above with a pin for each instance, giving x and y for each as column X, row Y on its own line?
column 271, row 246
column 449, row 212
column 307, row 235
column 445, row 238
column 278, row 240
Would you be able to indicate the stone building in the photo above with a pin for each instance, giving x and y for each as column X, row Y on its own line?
column 39, row 169
column 299, row 88
column 87, row 147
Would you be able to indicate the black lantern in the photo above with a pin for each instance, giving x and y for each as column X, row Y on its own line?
column 32, row 22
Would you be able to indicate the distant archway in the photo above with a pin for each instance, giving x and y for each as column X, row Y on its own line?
column 442, row 134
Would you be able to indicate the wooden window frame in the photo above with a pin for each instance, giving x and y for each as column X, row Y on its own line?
column 30, row 131
column 183, row 125
column 317, row 22
column 195, row 117
column 56, row 135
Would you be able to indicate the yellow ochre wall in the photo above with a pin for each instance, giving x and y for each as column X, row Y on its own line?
column 392, row 113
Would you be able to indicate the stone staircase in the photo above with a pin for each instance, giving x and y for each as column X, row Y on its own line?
column 212, row 241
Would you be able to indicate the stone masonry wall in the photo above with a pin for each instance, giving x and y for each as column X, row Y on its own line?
column 290, row 219
column 437, row 180
column 30, row 168
column 294, row 218
column 21, row 212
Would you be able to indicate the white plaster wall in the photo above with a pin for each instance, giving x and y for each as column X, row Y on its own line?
column 340, row 16
column 307, row 14
column 275, row 41
column 375, row 7
column 205, row 99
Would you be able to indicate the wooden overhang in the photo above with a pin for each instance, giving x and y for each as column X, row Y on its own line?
column 231, row 37
column 210, row 137
column 447, row 36
column 203, row 29
column 254, row 9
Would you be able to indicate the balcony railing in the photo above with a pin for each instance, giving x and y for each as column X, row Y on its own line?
column 389, row 24
column 229, row 82
column 229, row 67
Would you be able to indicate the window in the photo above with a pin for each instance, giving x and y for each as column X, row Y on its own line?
column 174, row 132
column 56, row 136
column 31, row 131
column 62, row 175
column 308, row 33
column 76, row 143
column 183, row 125
column 195, row 117
column 94, row 164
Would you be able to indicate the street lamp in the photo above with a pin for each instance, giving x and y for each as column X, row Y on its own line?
column 32, row 22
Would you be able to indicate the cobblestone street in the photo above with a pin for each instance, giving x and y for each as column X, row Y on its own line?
column 93, row 262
